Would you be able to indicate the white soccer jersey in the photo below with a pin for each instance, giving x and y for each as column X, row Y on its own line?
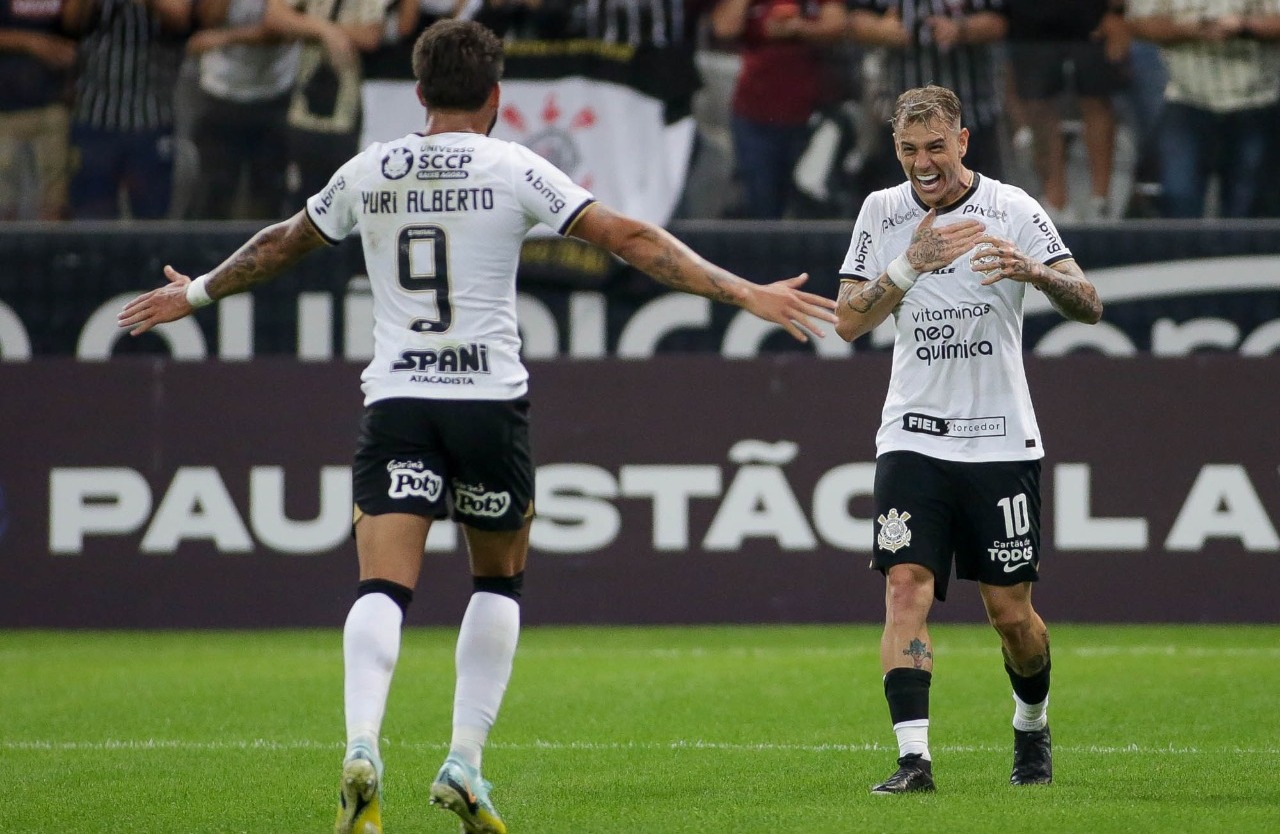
column 442, row 219
column 958, row 389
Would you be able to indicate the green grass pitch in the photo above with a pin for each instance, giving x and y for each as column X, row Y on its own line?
column 642, row 731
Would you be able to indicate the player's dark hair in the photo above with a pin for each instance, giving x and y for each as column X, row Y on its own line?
column 457, row 63
column 924, row 104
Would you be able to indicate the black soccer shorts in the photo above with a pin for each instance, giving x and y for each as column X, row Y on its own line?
column 1040, row 69
column 466, row 459
column 985, row 516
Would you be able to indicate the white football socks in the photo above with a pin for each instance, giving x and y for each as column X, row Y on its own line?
column 486, row 649
column 370, row 647
column 1030, row 717
column 913, row 737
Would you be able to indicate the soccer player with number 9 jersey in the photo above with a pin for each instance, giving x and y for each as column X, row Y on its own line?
column 442, row 215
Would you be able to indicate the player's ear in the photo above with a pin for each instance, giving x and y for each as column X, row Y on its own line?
column 963, row 140
column 417, row 88
column 491, row 104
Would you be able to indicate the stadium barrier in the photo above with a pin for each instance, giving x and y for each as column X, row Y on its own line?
column 1171, row 289
column 144, row 492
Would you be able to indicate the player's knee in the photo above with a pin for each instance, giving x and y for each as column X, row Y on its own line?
column 909, row 592
column 397, row 593
column 1010, row 620
column 507, row 586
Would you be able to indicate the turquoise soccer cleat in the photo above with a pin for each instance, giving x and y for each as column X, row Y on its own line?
column 459, row 788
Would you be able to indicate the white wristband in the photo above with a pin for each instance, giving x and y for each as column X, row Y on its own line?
column 901, row 273
column 198, row 293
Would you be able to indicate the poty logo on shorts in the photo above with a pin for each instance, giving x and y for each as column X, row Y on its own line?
column 412, row 477
column 471, row 499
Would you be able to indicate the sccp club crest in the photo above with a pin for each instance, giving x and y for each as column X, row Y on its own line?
column 894, row 533
column 398, row 163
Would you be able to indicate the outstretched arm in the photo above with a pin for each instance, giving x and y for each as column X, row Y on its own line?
column 663, row 257
column 265, row 255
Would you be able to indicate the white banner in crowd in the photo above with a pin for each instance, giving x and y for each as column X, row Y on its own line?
column 610, row 138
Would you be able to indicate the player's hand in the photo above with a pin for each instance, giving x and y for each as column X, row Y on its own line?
column 168, row 303
column 933, row 248
column 781, row 303
column 998, row 259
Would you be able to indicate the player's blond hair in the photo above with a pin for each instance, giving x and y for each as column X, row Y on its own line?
column 921, row 105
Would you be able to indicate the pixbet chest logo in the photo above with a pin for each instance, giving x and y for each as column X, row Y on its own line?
column 988, row 212
column 554, row 136
column 897, row 218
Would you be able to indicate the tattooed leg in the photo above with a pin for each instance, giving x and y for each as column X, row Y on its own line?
column 919, row 653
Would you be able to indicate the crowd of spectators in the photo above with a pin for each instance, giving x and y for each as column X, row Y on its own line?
column 106, row 105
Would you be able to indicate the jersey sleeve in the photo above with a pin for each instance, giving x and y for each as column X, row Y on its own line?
column 1035, row 233
column 546, row 193
column 863, row 261
column 333, row 211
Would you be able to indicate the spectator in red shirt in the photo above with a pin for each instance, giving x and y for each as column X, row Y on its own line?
column 779, row 87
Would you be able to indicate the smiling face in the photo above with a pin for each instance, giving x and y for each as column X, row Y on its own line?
column 930, row 152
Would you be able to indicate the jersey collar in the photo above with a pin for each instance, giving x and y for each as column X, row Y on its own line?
column 952, row 206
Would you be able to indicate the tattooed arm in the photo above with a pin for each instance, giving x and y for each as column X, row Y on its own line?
column 263, row 257
column 862, row 305
column 1069, row 291
column 664, row 258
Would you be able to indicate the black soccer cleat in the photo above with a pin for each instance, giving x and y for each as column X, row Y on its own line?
column 915, row 773
column 1032, row 758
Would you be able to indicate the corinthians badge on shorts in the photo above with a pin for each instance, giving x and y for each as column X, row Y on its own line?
column 894, row 533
